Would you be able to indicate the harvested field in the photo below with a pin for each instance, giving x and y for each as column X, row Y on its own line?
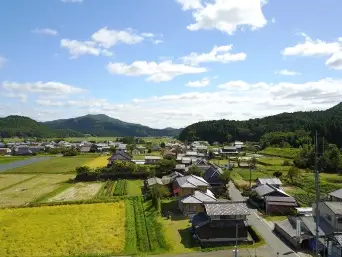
column 98, row 162
column 68, row 230
column 80, row 191
column 54, row 165
column 28, row 191
column 8, row 180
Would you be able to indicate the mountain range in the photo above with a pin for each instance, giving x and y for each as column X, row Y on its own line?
column 327, row 123
column 96, row 125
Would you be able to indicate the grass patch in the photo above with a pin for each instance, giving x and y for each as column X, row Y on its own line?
column 98, row 162
column 289, row 153
column 9, row 159
column 7, row 180
column 32, row 189
column 121, row 187
column 54, row 165
column 274, row 218
column 271, row 161
column 134, row 187
column 70, row 230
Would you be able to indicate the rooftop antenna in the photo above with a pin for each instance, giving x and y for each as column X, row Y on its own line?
column 317, row 195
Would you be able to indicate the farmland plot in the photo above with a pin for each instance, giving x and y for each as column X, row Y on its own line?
column 98, row 162
column 28, row 191
column 80, row 191
column 8, row 180
column 69, row 230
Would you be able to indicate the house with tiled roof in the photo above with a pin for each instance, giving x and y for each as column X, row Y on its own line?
column 187, row 185
column 119, row 155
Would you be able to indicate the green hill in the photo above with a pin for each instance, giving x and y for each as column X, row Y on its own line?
column 102, row 125
column 328, row 123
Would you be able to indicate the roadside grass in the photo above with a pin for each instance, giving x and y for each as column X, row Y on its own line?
column 98, row 162
column 9, row 159
column 76, row 192
column 290, row 153
column 67, row 230
column 32, row 189
column 134, row 187
column 9, row 180
column 54, row 165
column 271, row 161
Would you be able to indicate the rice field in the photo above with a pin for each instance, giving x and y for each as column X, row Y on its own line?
column 134, row 187
column 8, row 159
column 79, row 191
column 68, row 230
column 9, row 180
column 55, row 165
column 98, row 162
column 30, row 190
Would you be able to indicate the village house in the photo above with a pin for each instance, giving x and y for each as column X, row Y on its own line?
column 152, row 159
column 119, row 155
column 2, row 145
column 194, row 203
column 336, row 195
column 5, row 151
column 221, row 222
column 150, row 182
column 168, row 179
column 275, row 182
column 141, row 149
column 229, row 150
column 85, row 149
column 181, row 168
column 187, row 185
column 239, row 145
column 213, row 175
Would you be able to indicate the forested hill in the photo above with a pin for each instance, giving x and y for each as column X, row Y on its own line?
column 21, row 126
column 328, row 123
column 102, row 125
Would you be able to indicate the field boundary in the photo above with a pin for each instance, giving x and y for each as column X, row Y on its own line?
column 53, row 193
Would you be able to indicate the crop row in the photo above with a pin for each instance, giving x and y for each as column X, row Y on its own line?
column 121, row 187
column 140, row 225
column 131, row 234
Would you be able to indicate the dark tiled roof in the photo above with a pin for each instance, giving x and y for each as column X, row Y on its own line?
column 200, row 219
column 226, row 208
column 337, row 193
column 263, row 190
column 120, row 156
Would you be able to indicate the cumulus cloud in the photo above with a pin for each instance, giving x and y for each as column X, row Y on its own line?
column 199, row 83
column 3, row 61
column 225, row 16
column 316, row 48
column 155, row 72
column 78, row 48
column 286, row 72
column 311, row 47
column 45, row 31
column 42, row 88
column 217, row 54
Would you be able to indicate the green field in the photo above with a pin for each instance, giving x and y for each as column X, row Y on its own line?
column 7, row 180
column 8, row 159
column 68, row 230
column 281, row 152
column 54, row 165
column 134, row 187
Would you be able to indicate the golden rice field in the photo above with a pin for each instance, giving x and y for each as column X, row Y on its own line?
column 69, row 230
column 98, row 162
column 79, row 191
column 8, row 180
column 30, row 190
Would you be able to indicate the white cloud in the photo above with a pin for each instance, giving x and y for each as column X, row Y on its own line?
column 312, row 47
column 78, row 48
column 108, row 38
column 190, row 4
column 46, row 31
column 217, row 54
column 335, row 61
column 20, row 96
column 2, row 62
column 39, row 87
column 225, row 16
column 156, row 72
column 157, row 41
column 199, row 83
column 286, row 72
column 147, row 34
column 72, row 1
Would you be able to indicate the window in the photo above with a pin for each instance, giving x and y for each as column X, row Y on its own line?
column 328, row 217
column 192, row 208
column 339, row 219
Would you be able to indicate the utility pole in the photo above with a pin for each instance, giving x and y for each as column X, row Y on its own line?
column 317, row 195
column 236, row 240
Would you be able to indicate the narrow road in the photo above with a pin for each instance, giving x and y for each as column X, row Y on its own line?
column 17, row 164
column 273, row 242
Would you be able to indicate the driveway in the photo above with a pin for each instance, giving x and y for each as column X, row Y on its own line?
column 273, row 242
column 17, row 164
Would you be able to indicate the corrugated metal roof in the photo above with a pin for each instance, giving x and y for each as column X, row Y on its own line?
column 337, row 193
column 336, row 207
column 198, row 197
column 154, row 181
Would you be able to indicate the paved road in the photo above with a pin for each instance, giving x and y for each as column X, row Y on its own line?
column 274, row 244
column 17, row 164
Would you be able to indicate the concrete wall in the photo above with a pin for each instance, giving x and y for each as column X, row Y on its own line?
column 329, row 216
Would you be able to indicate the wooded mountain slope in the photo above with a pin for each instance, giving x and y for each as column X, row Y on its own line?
column 328, row 123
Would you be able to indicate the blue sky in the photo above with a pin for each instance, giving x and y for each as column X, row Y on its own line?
column 167, row 63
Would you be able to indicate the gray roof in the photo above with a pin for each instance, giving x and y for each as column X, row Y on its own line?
column 154, row 181
column 152, row 157
column 227, row 208
column 180, row 167
column 336, row 207
column 263, row 190
column 85, row 149
column 199, row 219
column 191, row 181
column 280, row 199
column 198, row 197
column 310, row 224
column 270, row 181
column 338, row 238
column 337, row 193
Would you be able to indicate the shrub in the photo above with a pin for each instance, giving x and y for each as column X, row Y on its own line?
column 277, row 174
column 287, row 163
